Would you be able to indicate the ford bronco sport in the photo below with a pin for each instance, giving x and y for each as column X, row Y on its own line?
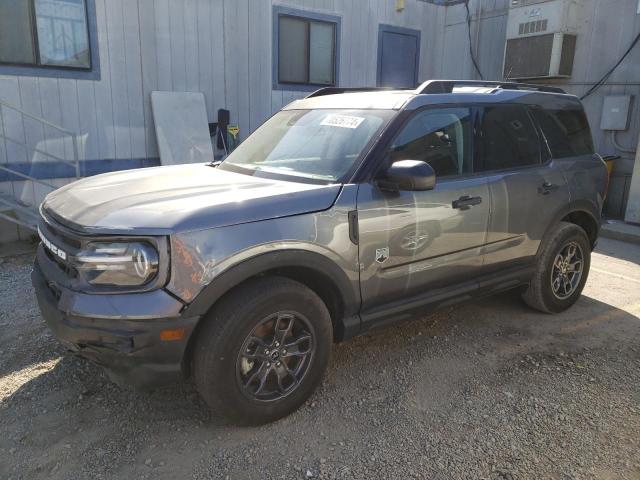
column 347, row 210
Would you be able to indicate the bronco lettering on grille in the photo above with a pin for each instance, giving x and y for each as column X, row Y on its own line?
column 55, row 250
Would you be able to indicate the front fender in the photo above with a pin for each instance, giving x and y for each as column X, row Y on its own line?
column 253, row 266
column 319, row 240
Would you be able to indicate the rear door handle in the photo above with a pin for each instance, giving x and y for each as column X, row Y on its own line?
column 465, row 202
column 547, row 188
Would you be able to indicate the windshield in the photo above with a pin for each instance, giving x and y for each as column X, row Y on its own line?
column 320, row 145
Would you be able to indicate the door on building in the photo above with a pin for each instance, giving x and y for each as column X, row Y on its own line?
column 398, row 57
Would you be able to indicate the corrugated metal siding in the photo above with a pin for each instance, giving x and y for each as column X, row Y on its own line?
column 223, row 49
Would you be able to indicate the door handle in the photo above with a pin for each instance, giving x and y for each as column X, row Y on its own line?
column 547, row 188
column 465, row 202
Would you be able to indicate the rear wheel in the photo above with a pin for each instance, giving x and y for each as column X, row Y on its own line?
column 562, row 270
column 263, row 350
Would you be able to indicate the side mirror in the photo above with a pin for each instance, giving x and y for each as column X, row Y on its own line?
column 411, row 175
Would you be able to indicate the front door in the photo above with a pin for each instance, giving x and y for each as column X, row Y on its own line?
column 398, row 57
column 412, row 242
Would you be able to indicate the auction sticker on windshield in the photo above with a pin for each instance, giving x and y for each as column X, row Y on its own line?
column 344, row 121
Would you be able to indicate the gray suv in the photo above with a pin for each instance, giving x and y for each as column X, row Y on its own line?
column 346, row 211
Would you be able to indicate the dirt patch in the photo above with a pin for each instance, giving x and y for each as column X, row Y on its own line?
column 488, row 390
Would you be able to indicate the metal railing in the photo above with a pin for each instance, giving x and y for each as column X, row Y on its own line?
column 14, row 204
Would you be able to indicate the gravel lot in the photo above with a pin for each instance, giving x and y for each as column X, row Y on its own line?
column 487, row 390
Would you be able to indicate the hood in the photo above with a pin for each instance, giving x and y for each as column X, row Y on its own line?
column 164, row 200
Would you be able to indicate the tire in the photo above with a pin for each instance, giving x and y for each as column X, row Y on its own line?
column 248, row 322
column 541, row 294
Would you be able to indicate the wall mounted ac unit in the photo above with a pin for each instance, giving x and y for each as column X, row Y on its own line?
column 541, row 38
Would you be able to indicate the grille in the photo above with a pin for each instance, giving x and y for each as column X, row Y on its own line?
column 61, row 241
column 66, row 267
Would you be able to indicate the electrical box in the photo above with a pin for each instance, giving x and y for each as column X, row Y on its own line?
column 542, row 37
column 615, row 112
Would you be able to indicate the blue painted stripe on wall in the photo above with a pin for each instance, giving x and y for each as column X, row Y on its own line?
column 51, row 170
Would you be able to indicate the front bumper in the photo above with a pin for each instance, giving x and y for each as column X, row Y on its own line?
column 119, row 332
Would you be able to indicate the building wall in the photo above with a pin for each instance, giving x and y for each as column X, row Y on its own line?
column 219, row 47
column 223, row 49
column 610, row 27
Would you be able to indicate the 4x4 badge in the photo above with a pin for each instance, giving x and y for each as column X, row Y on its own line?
column 382, row 254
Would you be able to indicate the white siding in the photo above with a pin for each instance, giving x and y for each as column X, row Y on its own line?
column 223, row 48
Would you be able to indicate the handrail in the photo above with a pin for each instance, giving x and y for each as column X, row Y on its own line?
column 18, row 221
column 27, row 177
column 36, row 118
column 42, row 152
column 17, row 207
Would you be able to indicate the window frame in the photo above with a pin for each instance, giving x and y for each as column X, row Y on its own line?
column 92, row 72
column 403, row 121
column 548, row 150
column 544, row 153
column 308, row 16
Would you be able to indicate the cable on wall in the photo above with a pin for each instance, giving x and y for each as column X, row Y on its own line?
column 473, row 57
column 606, row 76
column 619, row 147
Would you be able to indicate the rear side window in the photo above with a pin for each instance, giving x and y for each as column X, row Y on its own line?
column 508, row 139
column 567, row 131
column 438, row 136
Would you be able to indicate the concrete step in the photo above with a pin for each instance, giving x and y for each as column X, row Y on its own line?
column 619, row 230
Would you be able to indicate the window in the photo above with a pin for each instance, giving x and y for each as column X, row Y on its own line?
column 440, row 137
column 40, row 35
column 318, row 145
column 305, row 49
column 566, row 131
column 508, row 139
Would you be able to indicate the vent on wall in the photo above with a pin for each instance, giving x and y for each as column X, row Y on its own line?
column 532, row 27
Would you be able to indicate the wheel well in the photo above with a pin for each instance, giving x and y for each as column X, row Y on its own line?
column 320, row 283
column 586, row 222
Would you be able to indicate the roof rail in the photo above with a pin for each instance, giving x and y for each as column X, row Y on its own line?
column 447, row 86
column 334, row 90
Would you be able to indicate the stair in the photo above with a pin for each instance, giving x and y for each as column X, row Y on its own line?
column 12, row 209
column 16, row 212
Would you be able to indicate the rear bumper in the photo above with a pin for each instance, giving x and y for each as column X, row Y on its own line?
column 105, row 330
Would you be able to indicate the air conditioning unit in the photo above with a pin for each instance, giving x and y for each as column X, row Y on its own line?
column 541, row 38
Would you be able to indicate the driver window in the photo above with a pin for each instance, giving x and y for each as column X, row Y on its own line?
column 440, row 137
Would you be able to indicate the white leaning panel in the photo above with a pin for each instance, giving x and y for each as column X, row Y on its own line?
column 182, row 128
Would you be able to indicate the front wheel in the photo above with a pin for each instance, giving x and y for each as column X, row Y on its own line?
column 263, row 350
column 561, row 271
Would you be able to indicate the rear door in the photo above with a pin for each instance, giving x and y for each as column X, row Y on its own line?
column 398, row 57
column 412, row 242
column 527, row 188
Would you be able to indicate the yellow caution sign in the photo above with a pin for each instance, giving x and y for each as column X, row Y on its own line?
column 233, row 130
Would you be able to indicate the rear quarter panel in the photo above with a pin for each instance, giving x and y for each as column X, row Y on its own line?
column 587, row 180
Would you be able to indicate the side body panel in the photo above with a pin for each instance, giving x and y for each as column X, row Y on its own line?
column 199, row 257
column 522, row 210
column 429, row 244
column 587, row 180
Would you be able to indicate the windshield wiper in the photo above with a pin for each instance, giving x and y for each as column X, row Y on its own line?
column 215, row 163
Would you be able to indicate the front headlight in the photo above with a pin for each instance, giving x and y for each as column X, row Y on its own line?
column 118, row 264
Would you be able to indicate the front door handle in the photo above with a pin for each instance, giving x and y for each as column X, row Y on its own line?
column 547, row 188
column 465, row 202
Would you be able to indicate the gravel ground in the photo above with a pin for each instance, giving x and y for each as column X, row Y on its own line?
column 487, row 390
